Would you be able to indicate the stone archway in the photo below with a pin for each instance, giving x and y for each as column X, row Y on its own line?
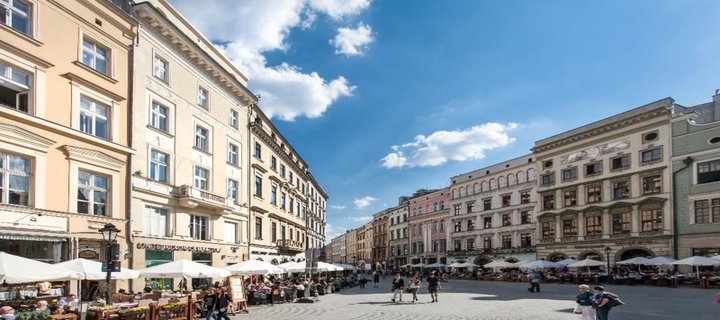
column 556, row 256
column 482, row 260
column 630, row 253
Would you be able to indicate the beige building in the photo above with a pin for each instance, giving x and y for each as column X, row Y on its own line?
column 381, row 235
column 367, row 246
column 607, row 184
column 190, row 136
column 316, row 218
column 64, row 146
column 398, row 236
column 350, row 246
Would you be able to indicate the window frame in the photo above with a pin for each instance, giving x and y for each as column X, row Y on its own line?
column 94, row 115
column 197, row 167
column 147, row 217
column 597, row 168
column 571, row 174
column 654, row 219
column 92, row 65
column 657, row 182
column 696, row 170
column 92, row 188
column 152, row 163
column 154, row 114
column 165, row 68
column 652, row 159
column 236, row 198
column 203, row 101
column 6, row 172
column 200, row 139
column 205, row 232
column 29, row 16
column 620, row 158
column 233, row 157
column 234, row 119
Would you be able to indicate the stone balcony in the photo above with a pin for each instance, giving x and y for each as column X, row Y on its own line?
column 290, row 245
column 191, row 197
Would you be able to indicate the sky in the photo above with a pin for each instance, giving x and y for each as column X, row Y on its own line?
column 385, row 97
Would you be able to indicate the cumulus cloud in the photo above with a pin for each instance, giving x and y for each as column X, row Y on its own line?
column 246, row 31
column 442, row 146
column 352, row 42
column 363, row 202
column 336, row 207
column 332, row 232
column 361, row 219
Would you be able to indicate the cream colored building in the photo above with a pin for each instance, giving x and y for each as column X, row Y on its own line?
column 316, row 218
column 64, row 146
column 398, row 236
column 367, row 246
column 427, row 226
column 190, row 136
column 607, row 184
column 351, row 246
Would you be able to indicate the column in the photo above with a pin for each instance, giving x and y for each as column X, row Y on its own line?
column 558, row 228
column 634, row 221
column 606, row 224
column 635, row 186
column 581, row 225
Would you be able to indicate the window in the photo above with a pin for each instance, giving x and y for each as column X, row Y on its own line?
column 232, row 193
column 487, row 204
column 202, row 97
column 470, row 225
column 199, row 227
column 456, row 209
column 234, row 119
column 273, row 194
column 282, row 233
column 470, row 206
column 231, row 231
column 15, row 173
column 201, row 178
column 155, row 221
column 233, row 154
column 569, row 228
column 506, row 241
column 273, row 163
column 159, row 116
column 258, row 186
column 569, row 174
column 292, row 205
column 621, row 190
column 570, row 198
column 457, row 245
column 14, row 86
column 652, row 184
column 160, row 69
column 92, row 194
column 273, row 231
column 487, row 222
column 282, row 200
column 506, row 200
column 593, row 168
column 95, row 56
column 94, row 118
column 651, row 155
column 621, row 223
column 202, row 137
column 258, row 228
column 593, row 225
column 549, row 202
column 525, row 240
column 707, row 211
column 506, row 220
column 594, row 194
column 487, row 243
column 524, row 197
column 652, row 220
column 548, row 179
column 158, row 165
column 620, row 163
column 470, row 244
column 282, row 170
column 708, row 171
column 258, row 150
column 458, row 226
column 292, row 177
column 16, row 15
column 525, row 217
column 548, row 230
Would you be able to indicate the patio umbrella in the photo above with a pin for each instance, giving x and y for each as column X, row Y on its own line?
column 587, row 263
column 252, row 267
column 660, row 260
column 696, row 261
column 406, row 266
column 92, row 270
column 183, row 269
column 419, row 265
column 293, row 267
column 324, row 266
column 436, row 265
column 636, row 260
column 566, row 262
column 16, row 269
column 540, row 264
column 468, row 265
column 715, row 257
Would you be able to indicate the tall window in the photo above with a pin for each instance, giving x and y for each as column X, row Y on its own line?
column 569, row 228
column 92, row 193
column 456, row 209
column 621, row 223
column 487, row 204
column 569, row 174
column 487, row 222
column 273, row 162
column 652, row 184
column 232, row 192
column 594, row 194
column 707, row 210
column 94, row 118
column 548, row 179
column 470, row 244
column 258, row 150
column 708, row 171
column 15, row 173
column 470, row 225
column 273, row 231
column 570, row 198
column 619, row 163
column 549, row 201
column 258, row 228
column 282, row 170
column 506, row 200
column 15, row 84
column 233, row 154
column 593, row 168
column 273, row 194
column 231, row 232
column 651, row 155
column 525, row 240
column 234, row 119
column 199, row 227
column 258, row 186
column 159, row 116
column 548, row 230
column 95, row 56
column 203, row 97
column 201, row 178
column 155, row 221
column 593, row 225
column 470, row 207
column 160, row 68
column 202, row 136
column 158, row 165
column 458, row 226
column 506, row 241
column 651, row 220
column 16, row 15
column 525, row 217
column 525, row 197
column 621, row 190
column 487, row 243
column 506, row 220
column 282, row 200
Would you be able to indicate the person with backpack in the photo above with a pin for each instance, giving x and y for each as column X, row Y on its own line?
column 604, row 301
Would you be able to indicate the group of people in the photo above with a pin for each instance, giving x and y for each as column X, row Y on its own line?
column 216, row 303
column 398, row 286
column 595, row 304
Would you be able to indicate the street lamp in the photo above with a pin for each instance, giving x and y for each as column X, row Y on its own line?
column 607, row 255
column 109, row 233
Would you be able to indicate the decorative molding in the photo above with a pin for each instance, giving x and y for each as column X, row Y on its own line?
column 21, row 137
column 89, row 84
column 93, row 157
column 594, row 152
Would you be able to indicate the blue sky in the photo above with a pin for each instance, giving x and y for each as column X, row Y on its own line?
column 352, row 84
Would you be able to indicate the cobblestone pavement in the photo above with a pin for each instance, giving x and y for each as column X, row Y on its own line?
column 496, row 300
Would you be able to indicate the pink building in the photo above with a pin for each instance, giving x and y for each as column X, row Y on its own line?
column 428, row 226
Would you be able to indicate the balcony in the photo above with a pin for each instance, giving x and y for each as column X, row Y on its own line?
column 653, row 233
column 547, row 240
column 593, row 237
column 569, row 239
column 291, row 245
column 191, row 197
column 620, row 235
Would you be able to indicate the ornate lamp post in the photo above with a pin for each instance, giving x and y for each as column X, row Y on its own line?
column 607, row 256
column 109, row 233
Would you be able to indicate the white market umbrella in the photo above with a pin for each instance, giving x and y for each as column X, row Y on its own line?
column 183, row 269
column 15, row 269
column 660, row 260
column 419, row 265
column 636, row 260
column 92, row 270
column 498, row 264
column 253, row 267
column 294, row 267
column 587, row 263
column 696, row 261
column 715, row 257
column 436, row 265
column 456, row 265
column 468, row 265
column 406, row 266
column 566, row 262
column 540, row 264
column 324, row 266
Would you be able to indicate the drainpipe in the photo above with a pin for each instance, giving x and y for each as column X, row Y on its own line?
column 687, row 162
column 249, row 177
column 128, row 176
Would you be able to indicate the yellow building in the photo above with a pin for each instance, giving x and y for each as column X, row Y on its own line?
column 64, row 146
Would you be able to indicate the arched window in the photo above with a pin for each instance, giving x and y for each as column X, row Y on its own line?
column 493, row 184
column 531, row 174
column 454, row 193
column 511, row 179
column 483, row 186
column 476, row 188
column 521, row 176
column 502, row 182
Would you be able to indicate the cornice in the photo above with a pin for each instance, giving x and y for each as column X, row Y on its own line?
column 93, row 157
column 86, row 83
column 270, row 142
column 21, row 137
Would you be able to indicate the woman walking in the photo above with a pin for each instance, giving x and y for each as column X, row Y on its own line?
column 222, row 303
column 584, row 300
column 414, row 287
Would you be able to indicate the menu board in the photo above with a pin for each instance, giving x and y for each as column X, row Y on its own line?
column 237, row 288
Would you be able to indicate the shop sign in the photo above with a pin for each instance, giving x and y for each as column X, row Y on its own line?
column 169, row 247
column 89, row 253
column 634, row 242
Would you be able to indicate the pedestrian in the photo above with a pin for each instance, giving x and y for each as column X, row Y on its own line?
column 584, row 301
column 534, row 278
column 222, row 303
column 361, row 279
column 398, row 285
column 433, row 287
column 414, row 286
column 603, row 301
column 299, row 289
column 209, row 303
column 376, row 279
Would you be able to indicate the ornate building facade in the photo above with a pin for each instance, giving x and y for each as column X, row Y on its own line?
column 398, row 234
column 428, row 226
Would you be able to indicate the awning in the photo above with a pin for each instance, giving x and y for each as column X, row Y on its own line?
column 31, row 238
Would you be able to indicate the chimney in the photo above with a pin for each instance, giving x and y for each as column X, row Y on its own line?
column 716, row 105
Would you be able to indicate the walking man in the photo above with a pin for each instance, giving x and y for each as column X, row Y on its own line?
column 398, row 285
column 433, row 286
column 534, row 281
column 361, row 279
column 376, row 279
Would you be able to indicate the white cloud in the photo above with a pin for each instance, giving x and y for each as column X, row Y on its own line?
column 363, row 202
column 442, row 146
column 361, row 219
column 336, row 207
column 248, row 30
column 331, row 232
column 352, row 42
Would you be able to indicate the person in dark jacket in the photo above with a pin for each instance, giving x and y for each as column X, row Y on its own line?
column 209, row 303
column 398, row 285
column 222, row 303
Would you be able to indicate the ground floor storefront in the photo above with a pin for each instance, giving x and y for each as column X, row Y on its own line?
column 613, row 249
column 428, row 259
column 482, row 259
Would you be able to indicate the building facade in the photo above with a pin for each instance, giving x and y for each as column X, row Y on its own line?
column 338, row 247
column 350, row 247
column 64, row 138
column 607, row 185
column 696, row 179
column 380, row 223
column 492, row 213
column 427, row 226
column 367, row 253
column 316, row 216
column 398, row 245
column 190, row 115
